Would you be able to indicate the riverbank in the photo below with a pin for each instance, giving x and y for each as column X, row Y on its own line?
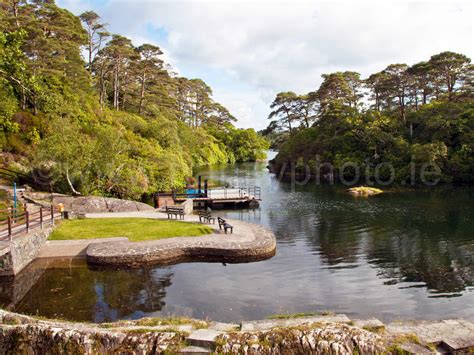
column 297, row 334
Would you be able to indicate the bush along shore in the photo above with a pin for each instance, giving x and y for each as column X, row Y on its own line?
column 298, row 334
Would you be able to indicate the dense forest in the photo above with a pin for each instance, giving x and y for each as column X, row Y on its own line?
column 404, row 117
column 97, row 114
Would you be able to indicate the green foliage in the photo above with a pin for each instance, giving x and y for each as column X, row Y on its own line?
column 241, row 144
column 118, row 125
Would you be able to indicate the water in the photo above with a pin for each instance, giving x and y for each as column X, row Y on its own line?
column 400, row 255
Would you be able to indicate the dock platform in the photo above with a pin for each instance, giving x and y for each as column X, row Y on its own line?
column 222, row 197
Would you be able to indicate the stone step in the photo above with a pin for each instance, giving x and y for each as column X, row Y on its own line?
column 195, row 350
column 415, row 349
column 203, row 338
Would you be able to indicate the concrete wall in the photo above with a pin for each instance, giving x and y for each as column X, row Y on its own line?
column 188, row 206
column 17, row 254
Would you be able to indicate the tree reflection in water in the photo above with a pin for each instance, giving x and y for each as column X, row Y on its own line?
column 405, row 243
column 99, row 295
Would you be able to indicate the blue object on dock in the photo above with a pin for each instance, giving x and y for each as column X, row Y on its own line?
column 14, row 197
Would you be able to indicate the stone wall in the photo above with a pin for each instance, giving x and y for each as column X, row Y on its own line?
column 17, row 254
column 316, row 334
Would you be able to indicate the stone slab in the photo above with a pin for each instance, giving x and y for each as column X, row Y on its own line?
column 159, row 328
column 203, row 337
column 414, row 349
column 195, row 350
column 72, row 248
column 223, row 327
column 368, row 323
column 457, row 334
column 268, row 324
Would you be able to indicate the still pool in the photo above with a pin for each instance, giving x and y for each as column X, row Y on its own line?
column 400, row 255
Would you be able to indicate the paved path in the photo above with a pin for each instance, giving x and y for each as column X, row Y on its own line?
column 72, row 248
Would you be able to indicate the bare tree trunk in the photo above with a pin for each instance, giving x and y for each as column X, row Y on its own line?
column 15, row 13
column 116, row 89
column 23, row 98
column 90, row 53
column 401, row 103
column 71, row 186
column 142, row 93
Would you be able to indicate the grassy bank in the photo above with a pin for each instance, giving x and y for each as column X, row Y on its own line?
column 136, row 229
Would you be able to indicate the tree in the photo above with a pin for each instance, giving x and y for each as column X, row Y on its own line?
column 116, row 57
column 339, row 88
column 67, row 153
column 422, row 80
column 285, row 109
column 148, row 66
column 354, row 82
column 397, row 84
column 305, row 106
column 449, row 68
column 96, row 34
column 220, row 115
column 13, row 65
column 376, row 83
column 51, row 53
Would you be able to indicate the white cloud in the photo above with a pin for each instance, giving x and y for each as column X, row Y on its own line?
column 278, row 46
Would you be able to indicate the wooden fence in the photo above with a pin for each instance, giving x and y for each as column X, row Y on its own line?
column 18, row 223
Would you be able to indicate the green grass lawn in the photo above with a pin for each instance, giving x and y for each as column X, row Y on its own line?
column 136, row 229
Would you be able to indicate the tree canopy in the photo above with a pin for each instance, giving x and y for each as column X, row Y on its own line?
column 402, row 115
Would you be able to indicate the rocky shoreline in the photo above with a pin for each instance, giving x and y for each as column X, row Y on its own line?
column 297, row 334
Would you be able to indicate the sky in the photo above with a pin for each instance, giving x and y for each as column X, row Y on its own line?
column 248, row 51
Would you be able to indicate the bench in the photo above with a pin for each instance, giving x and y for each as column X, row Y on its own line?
column 225, row 225
column 175, row 211
column 206, row 216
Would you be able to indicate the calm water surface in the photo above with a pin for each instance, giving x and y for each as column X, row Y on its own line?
column 400, row 255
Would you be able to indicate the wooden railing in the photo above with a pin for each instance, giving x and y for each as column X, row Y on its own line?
column 18, row 223
column 225, row 192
